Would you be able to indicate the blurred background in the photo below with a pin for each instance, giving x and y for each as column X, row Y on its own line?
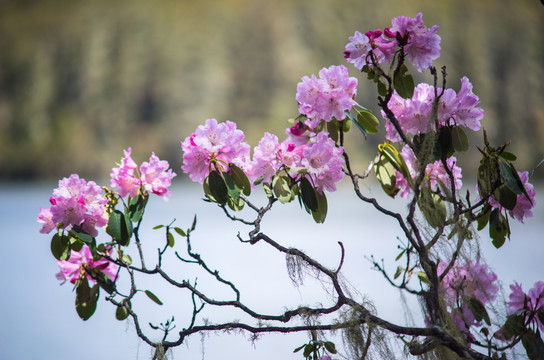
column 82, row 80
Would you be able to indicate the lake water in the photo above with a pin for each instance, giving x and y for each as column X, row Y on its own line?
column 39, row 320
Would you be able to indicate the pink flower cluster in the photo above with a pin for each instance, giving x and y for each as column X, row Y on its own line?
column 415, row 114
column 213, row 143
column 74, row 267
column 75, row 203
column 317, row 153
column 420, row 44
column 153, row 175
column 523, row 208
column 470, row 280
column 434, row 171
column 327, row 97
column 533, row 302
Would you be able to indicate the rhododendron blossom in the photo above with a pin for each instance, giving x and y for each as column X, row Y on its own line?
column 462, row 282
column 156, row 176
column 75, row 203
column 327, row 97
column 74, row 267
column 364, row 49
column 415, row 115
column 532, row 302
column 215, row 142
column 524, row 206
column 434, row 171
column 324, row 162
column 123, row 176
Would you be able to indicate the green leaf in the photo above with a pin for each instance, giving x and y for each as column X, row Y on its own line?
column 158, row 227
column 308, row 194
column 308, row 349
column 180, row 232
column 445, row 147
column 432, row 207
column 330, row 347
column 76, row 244
column 498, row 228
column 121, row 313
column 268, row 191
column 346, row 124
column 368, row 121
column 171, row 240
column 119, row 228
column 60, row 247
column 126, row 259
column 483, row 218
column 153, row 297
column 514, row 326
column 478, row 310
column 233, row 190
column 86, row 299
column 404, row 83
column 86, row 238
column 459, row 139
column 322, row 207
column 510, row 177
column 488, row 175
column 508, row 156
column 399, row 271
column 236, row 204
column 218, row 187
column 240, row 179
column 423, row 277
column 505, row 197
column 299, row 348
column 193, row 225
column 136, row 208
column 332, row 129
column 280, row 185
column 534, row 346
column 382, row 89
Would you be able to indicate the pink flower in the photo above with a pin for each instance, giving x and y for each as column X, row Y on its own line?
column 324, row 162
column 265, row 161
column 75, row 203
column 296, row 134
column 414, row 115
column 156, row 176
column 123, row 176
column 532, row 302
column 46, row 217
column 74, row 267
column 523, row 208
column 434, row 171
column 361, row 47
column 213, row 142
column 327, row 97
column 422, row 44
column 470, row 280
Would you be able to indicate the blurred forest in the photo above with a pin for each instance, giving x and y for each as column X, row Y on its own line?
column 81, row 80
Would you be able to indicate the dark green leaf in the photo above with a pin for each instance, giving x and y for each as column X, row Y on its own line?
column 322, row 207
column 153, row 297
column 76, row 244
column 240, row 178
column 534, row 346
column 478, row 310
column 218, row 188
column 367, row 120
column 193, row 226
column 236, row 204
column 382, row 89
column 86, row 299
column 459, row 139
column 299, row 348
column 514, row 326
column 308, row 349
column 308, row 194
column 330, row 347
column 60, row 247
column 483, row 218
column 332, row 129
column 505, row 197
column 233, row 190
column 119, row 228
column 510, row 177
column 136, row 207
column 488, row 176
column 498, row 228
column 404, row 83
column 508, row 156
column 121, row 313
column 86, row 238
